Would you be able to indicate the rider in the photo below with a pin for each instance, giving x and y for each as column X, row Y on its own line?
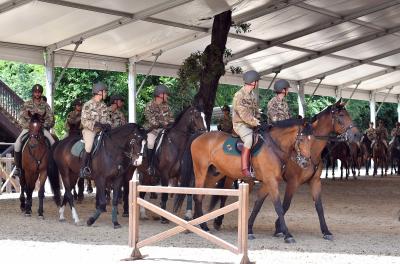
column 158, row 115
column 370, row 132
column 278, row 108
column 95, row 117
column 36, row 105
column 117, row 117
column 382, row 133
column 225, row 123
column 246, row 116
column 395, row 132
column 74, row 117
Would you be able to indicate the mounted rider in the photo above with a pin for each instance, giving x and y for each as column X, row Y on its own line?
column 95, row 118
column 246, row 116
column 382, row 133
column 225, row 123
column 370, row 132
column 158, row 116
column 395, row 132
column 277, row 108
column 117, row 116
column 74, row 117
column 35, row 105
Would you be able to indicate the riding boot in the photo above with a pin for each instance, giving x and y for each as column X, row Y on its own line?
column 150, row 156
column 245, row 158
column 18, row 165
column 85, row 170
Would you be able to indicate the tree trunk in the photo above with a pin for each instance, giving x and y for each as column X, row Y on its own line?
column 214, row 64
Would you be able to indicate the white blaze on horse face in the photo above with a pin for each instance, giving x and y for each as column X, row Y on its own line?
column 139, row 160
column 204, row 120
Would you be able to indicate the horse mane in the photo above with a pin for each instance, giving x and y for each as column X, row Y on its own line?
column 181, row 114
column 127, row 127
column 307, row 129
column 326, row 110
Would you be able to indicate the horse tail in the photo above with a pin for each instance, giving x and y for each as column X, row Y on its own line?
column 186, row 173
column 216, row 198
column 53, row 175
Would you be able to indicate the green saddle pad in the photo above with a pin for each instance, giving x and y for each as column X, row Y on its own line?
column 77, row 148
column 229, row 147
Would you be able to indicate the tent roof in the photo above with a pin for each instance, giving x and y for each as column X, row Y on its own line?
column 346, row 42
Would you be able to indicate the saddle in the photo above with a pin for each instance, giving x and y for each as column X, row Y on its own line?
column 79, row 147
column 233, row 145
column 24, row 141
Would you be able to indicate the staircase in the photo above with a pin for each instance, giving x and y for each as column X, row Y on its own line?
column 10, row 104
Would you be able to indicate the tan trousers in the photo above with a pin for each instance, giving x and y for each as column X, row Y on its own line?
column 88, row 137
column 18, row 143
column 246, row 134
column 152, row 136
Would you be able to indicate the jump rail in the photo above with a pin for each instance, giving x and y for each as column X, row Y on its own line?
column 241, row 205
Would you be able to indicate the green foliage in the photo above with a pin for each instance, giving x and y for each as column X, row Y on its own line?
column 242, row 28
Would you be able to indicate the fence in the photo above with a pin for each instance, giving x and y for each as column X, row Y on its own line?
column 6, row 171
column 241, row 205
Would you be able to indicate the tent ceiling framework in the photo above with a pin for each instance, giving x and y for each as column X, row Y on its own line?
column 333, row 45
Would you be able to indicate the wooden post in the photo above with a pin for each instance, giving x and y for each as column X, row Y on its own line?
column 243, row 219
column 134, row 218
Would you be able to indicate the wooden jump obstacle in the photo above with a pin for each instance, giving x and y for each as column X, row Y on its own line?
column 241, row 205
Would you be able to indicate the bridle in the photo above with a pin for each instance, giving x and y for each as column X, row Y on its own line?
column 299, row 158
column 39, row 136
column 136, row 139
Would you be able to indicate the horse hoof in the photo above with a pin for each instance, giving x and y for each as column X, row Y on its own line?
column 251, row 237
column 28, row 214
column 279, row 234
column 117, row 225
column 90, row 221
column 79, row 223
column 217, row 226
column 328, row 237
column 290, row 240
column 164, row 221
column 125, row 215
column 61, row 220
column 187, row 218
column 205, row 228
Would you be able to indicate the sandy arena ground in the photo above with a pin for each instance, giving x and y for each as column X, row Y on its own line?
column 362, row 214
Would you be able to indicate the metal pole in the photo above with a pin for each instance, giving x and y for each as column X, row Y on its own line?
column 355, row 88
column 148, row 72
column 273, row 79
column 67, row 64
column 316, row 88
column 132, row 91
column 384, row 99
column 372, row 108
column 49, row 64
column 301, row 99
column 398, row 108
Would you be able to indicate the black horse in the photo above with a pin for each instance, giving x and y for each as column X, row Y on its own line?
column 120, row 150
column 366, row 152
column 170, row 146
column 394, row 150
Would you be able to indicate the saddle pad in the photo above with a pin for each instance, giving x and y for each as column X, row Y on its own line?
column 77, row 148
column 229, row 147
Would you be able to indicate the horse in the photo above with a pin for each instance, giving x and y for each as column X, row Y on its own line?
column 366, row 152
column 34, row 166
column 170, row 147
column 380, row 154
column 355, row 158
column 120, row 149
column 394, row 150
column 289, row 139
column 339, row 151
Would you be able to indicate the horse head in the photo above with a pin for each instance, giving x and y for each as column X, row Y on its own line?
column 137, row 143
column 302, row 145
column 36, row 124
column 191, row 120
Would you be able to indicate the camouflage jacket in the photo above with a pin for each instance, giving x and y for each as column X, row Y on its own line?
column 157, row 115
column 245, row 109
column 225, row 124
column 395, row 132
column 93, row 112
column 40, row 108
column 382, row 133
column 73, row 119
column 117, row 118
column 370, row 133
column 277, row 110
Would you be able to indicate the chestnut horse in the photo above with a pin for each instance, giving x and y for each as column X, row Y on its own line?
column 289, row 139
column 34, row 166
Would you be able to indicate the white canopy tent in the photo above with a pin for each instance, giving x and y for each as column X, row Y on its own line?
column 331, row 45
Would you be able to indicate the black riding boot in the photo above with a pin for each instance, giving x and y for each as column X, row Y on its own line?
column 150, row 167
column 85, row 170
column 18, row 165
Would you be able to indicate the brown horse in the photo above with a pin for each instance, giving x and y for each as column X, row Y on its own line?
column 289, row 139
column 336, row 119
column 339, row 151
column 366, row 152
column 34, row 166
column 380, row 156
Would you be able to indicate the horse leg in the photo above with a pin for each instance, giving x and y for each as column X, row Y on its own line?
column 28, row 204
column 289, row 192
column 81, row 188
column 62, row 207
column 42, row 180
column 315, row 185
column 114, row 210
column 22, row 194
column 164, row 198
column 100, row 202
column 125, row 197
column 189, row 207
column 227, row 185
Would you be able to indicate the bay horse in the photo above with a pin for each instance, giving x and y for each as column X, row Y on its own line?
column 289, row 139
column 339, row 151
column 34, row 166
column 171, row 145
column 395, row 155
column 380, row 155
column 120, row 149
column 366, row 152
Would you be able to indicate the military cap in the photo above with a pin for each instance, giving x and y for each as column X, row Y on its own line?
column 97, row 87
column 37, row 87
column 160, row 89
column 280, row 85
column 77, row 102
column 251, row 76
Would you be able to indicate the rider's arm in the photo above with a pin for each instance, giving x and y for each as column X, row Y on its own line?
column 243, row 110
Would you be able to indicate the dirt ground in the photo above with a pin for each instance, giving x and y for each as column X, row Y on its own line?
column 362, row 214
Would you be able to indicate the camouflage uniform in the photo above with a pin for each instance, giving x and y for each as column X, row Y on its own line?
column 117, row 118
column 93, row 112
column 24, row 120
column 157, row 116
column 245, row 115
column 277, row 110
column 73, row 119
column 382, row 133
column 225, row 124
column 370, row 133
